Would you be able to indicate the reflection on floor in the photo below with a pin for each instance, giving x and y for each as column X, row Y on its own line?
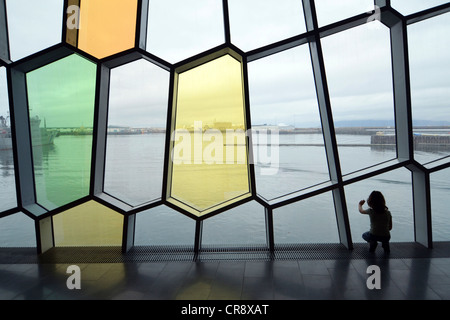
column 325, row 272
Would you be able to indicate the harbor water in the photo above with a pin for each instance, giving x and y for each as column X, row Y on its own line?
column 133, row 173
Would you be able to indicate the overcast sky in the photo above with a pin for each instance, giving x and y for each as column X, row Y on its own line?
column 281, row 86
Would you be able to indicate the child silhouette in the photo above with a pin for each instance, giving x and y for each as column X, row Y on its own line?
column 380, row 221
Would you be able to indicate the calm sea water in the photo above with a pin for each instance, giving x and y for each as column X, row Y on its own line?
column 134, row 174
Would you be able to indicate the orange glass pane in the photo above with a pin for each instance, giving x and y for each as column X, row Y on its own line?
column 107, row 26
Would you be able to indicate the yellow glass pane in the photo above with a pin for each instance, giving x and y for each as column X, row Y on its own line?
column 89, row 224
column 209, row 166
column 107, row 26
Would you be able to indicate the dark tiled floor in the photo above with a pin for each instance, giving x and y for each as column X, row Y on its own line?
column 402, row 278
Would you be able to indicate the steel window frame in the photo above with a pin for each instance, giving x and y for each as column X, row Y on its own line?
column 391, row 18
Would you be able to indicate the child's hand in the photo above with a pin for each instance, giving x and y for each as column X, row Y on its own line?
column 362, row 202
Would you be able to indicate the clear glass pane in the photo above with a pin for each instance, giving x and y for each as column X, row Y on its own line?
column 241, row 226
column 33, row 26
column 330, row 11
column 179, row 29
column 136, row 132
column 107, row 26
column 396, row 186
column 312, row 220
column 429, row 47
column 270, row 21
column 288, row 144
column 209, row 165
column 359, row 74
column 406, row 7
column 61, row 99
column 89, row 224
column 17, row 230
column 8, row 198
column 163, row 226
column 440, row 188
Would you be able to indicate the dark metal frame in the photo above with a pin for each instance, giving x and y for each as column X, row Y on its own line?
column 397, row 23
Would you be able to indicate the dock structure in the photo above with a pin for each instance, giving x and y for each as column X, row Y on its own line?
column 419, row 139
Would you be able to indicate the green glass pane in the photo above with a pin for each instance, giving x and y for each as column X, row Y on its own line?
column 209, row 163
column 61, row 99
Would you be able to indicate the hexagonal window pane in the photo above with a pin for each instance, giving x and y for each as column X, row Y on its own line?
column 136, row 132
column 406, row 7
column 243, row 226
column 179, row 29
column 440, row 186
column 163, row 226
column 429, row 47
column 359, row 75
column 270, row 21
column 288, row 145
column 396, row 187
column 33, row 26
column 102, row 27
column 17, row 230
column 330, row 11
column 209, row 167
column 89, row 224
column 312, row 220
column 61, row 98
column 8, row 197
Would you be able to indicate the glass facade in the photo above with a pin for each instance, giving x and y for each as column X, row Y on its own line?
column 301, row 222
column 270, row 21
column 399, row 201
column 89, row 224
column 357, row 118
column 102, row 27
column 179, row 29
column 439, row 194
column 138, row 98
column 209, row 161
column 407, row 7
column 285, row 124
column 430, row 86
column 242, row 226
column 196, row 124
column 329, row 11
column 17, row 230
column 25, row 25
column 163, row 226
column 61, row 98
column 7, row 178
